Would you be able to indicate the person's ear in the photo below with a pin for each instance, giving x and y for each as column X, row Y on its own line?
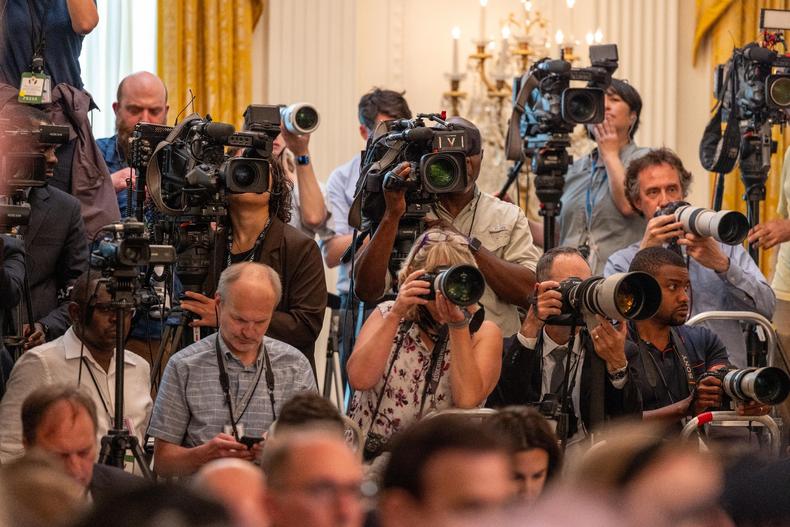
column 363, row 132
column 74, row 312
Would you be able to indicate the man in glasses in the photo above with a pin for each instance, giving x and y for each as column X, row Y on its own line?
column 85, row 356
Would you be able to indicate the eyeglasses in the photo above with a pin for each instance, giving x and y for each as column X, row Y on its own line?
column 432, row 237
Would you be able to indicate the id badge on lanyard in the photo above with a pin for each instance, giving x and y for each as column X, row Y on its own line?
column 587, row 244
column 35, row 86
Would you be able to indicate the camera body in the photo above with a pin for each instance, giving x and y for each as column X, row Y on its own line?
column 632, row 296
column 726, row 226
column 437, row 157
column 769, row 385
column 553, row 107
column 23, row 167
column 463, row 285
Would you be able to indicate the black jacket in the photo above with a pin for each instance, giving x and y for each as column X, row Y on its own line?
column 522, row 374
column 57, row 254
column 12, row 277
column 108, row 481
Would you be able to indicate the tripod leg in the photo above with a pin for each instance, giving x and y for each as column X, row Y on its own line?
column 139, row 457
column 338, row 382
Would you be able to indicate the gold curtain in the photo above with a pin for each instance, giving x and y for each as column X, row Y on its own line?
column 729, row 24
column 205, row 46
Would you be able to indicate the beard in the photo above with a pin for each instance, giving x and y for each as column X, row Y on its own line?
column 123, row 132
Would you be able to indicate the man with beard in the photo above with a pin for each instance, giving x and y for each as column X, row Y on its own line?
column 83, row 356
column 141, row 97
column 670, row 356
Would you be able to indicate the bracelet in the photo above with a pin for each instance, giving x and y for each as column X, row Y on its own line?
column 461, row 323
column 617, row 375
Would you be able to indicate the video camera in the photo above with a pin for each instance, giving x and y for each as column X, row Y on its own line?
column 545, row 111
column 725, row 226
column 769, row 385
column 22, row 167
column 437, row 157
column 632, row 296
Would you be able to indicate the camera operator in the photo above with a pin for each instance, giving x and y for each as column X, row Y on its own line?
column 55, row 244
column 670, row 356
column 723, row 277
column 535, row 358
column 258, row 231
column 141, row 97
column 12, row 277
column 84, row 355
column 195, row 418
column 423, row 339
column 595, row 215
column 498, row 234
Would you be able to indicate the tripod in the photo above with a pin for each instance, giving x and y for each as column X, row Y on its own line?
column 118, row 439
column 550, row 163
column 332, row 371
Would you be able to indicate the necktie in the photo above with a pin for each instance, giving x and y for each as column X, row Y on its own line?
column 558, row 375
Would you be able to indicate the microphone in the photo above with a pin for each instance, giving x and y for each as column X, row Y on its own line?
column 423, row 133
column 554, row 66
column 218, row 132
column 759, row 54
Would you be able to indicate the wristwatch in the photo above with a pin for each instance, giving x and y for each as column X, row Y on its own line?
column 474, row 244
column 461, row 323
column 617, row 375
column 303, row 160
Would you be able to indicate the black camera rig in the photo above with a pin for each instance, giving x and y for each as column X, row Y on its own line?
column 545, row 111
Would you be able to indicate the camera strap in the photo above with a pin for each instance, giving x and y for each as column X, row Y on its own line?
column 435, row 367
column 224, row 382
column 718, row 151
column 403, row 329
column 514, row 149
column 652, row 370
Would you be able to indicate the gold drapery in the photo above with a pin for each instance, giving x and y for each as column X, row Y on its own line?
column 205, row 46
column 728, row 24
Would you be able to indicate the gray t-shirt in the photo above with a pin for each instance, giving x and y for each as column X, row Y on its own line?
column 589, row 214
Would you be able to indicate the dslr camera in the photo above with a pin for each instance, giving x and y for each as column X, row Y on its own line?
column 726, row 226
column 631, row 296
column 463, row 285
column 769, row 385
column 22, row 167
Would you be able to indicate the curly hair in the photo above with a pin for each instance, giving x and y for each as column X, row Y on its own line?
column 655, row 157
column 280, row 189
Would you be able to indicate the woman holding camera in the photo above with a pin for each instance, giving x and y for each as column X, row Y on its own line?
column 414, row 355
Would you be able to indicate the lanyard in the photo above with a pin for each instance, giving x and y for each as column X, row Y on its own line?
column 590, row 198
column 253, row 254
column 224, row 381
column 98, row 390
column 38, row 41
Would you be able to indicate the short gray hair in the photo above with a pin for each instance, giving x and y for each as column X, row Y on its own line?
column 234, row 272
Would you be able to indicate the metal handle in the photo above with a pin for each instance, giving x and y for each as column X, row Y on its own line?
column 709, row 417
column 470, row 413
column 757, row 318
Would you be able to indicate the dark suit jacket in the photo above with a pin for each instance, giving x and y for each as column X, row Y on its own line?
column 108, row 481
column 522, row 375
column 57, row 253
column 12, row 277
column 298, row 318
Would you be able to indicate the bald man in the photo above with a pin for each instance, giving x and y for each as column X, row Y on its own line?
column 239, row 486
column 141, row 97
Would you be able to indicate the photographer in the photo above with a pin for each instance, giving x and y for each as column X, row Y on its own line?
column 54, row 239
column 12, row 277
column 438, row 358
column 258, row 231
column 498, row 234
column 669, row 356
column 535, row 358
column 723, row 277
column 595, row 215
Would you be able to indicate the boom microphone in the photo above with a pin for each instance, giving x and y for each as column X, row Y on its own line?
column 422, row 133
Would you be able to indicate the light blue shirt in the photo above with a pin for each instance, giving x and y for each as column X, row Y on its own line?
column 340, row 189
column 741, row 288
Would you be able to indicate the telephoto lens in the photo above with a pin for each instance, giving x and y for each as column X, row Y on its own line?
column 726, row 226
column 443, row 172
column 300, row 118
column 463, row 285
column 765, row 385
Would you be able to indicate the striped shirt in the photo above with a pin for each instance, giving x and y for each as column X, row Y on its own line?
column 190, row 407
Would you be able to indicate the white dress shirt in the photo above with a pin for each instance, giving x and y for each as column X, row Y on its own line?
column 58, row 361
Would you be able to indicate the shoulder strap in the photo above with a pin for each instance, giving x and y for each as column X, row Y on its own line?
column 402, row 331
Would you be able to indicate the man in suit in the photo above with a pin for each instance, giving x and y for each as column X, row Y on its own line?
column 54, row 239
column 61, row 420
column 600, row 380
column 12, row 276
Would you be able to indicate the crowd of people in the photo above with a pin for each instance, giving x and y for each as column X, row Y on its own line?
column 497, row 412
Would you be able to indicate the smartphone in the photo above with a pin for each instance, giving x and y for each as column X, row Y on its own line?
column 250, row 441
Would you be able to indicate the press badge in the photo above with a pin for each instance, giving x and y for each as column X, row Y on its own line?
column 35, row 88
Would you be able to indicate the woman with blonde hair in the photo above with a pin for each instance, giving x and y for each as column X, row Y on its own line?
column 415, row 355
